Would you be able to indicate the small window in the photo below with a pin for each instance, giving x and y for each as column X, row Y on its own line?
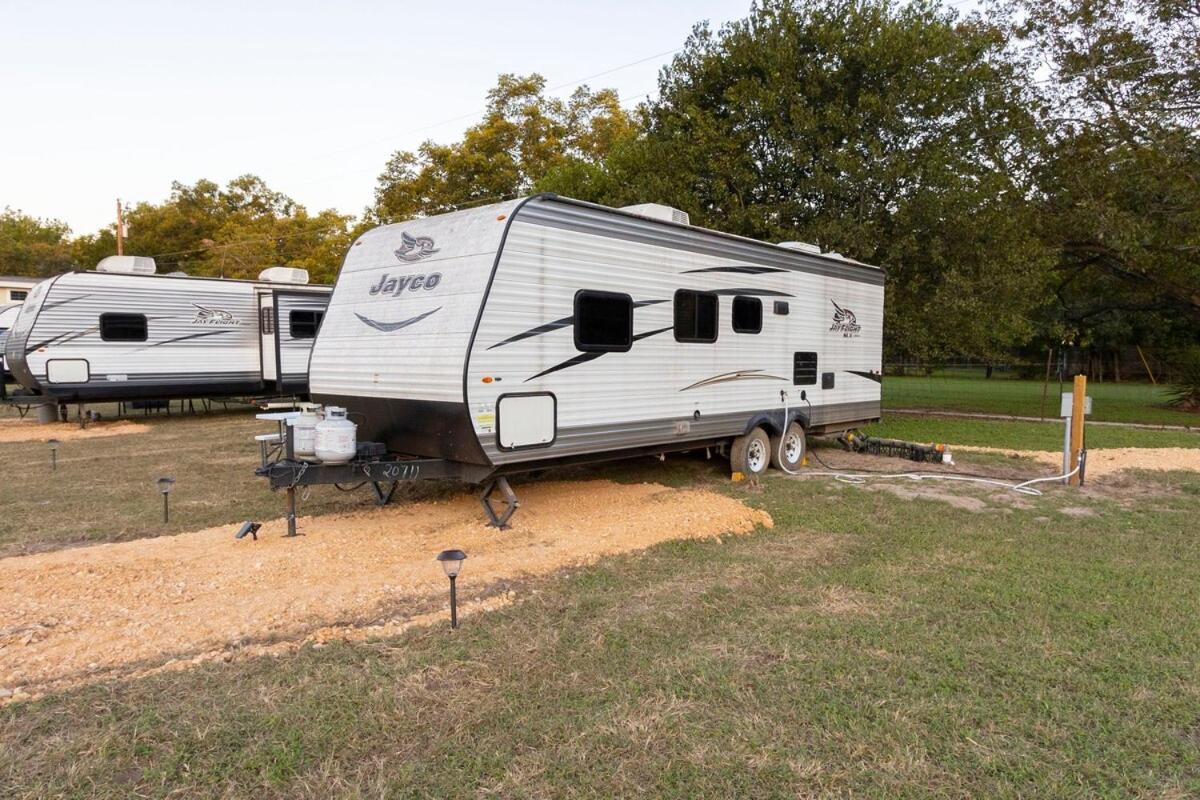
column 304, row 324
column 266, row 321
column 747, row 315
column 804, row 369
column 123, row 327
column 695, row 316
column 781, row 308
column 603, row 322
column 17, row 294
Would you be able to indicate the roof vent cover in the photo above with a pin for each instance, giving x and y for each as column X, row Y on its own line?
column 284, row 275
column 137, row 265
column 659, row 211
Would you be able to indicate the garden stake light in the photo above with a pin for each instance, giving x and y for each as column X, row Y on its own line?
column 54, row 444
column 452, row 564
column 165, row 485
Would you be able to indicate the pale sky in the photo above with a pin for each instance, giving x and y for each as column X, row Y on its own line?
column 118, row 99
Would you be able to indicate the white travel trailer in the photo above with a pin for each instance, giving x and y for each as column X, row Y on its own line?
column 123, row 332
column 8, row 315
column 546, row 330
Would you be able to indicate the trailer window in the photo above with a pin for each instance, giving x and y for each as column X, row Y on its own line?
column 695, row 316
column 304, row 324
column 123, row 327
column 603, row 322
column 804, row 369
column 747, row 315
column 17, row 294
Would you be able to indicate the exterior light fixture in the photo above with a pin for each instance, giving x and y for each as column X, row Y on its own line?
column 165, row 484
column 452, row 564
column 54, row 445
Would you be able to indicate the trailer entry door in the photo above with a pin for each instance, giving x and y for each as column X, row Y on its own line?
column 267, row 353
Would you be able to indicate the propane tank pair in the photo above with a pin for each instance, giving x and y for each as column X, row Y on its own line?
column 331, row 440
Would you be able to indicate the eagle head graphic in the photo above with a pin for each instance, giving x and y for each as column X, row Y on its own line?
column 414, row 248
column 843, row 315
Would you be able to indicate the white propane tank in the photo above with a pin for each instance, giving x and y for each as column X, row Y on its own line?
column 304, row 431
column 335, row 440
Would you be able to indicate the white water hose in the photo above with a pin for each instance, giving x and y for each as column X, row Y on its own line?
column 783, row 436
column 1025, row 487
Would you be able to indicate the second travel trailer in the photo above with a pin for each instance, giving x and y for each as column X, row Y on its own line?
column 124, row 332
column 546, row 330
column 8, row 315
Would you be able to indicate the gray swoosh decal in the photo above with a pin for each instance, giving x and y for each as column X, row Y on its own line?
column 558, row 324
column 388, row 327
column 189, row 336
column 740, row 375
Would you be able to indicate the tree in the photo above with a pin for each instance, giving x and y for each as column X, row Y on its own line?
column 897, row 134
column 1120, row 175
column 523, row 135
column 33, row 247
column 233, row 232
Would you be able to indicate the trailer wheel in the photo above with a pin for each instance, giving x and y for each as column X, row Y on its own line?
column 751, row 454
column 795, row 447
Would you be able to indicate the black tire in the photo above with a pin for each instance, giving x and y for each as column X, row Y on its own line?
column 751, row 454
column 795, row 448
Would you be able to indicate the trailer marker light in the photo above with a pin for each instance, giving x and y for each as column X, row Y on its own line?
column 501, row 217
column 488, row 379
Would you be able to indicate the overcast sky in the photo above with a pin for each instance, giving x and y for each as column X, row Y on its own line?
column 118, row 99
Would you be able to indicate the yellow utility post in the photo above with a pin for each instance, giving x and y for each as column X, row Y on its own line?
column 1077, row 408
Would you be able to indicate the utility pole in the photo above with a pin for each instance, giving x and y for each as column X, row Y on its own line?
column 120, row 230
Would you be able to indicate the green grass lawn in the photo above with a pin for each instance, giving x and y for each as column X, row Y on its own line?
column 1019, row 435
column 872, row 644
column 1113, row 402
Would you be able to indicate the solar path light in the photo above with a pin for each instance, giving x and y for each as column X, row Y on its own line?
column 165, row 484
column 54, row 445
column 452, row 563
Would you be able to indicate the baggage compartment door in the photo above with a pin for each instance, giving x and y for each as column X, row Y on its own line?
column 525, row 420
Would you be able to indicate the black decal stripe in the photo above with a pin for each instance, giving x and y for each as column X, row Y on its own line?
column 740, row 270
column 583, row 358
column 558, row 324
column 58, row 303
column 739, row 375
column 750, row 292
column 871, row 376
column 388, row 327
column 62, row 338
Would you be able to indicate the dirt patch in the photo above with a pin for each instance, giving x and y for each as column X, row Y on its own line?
column 915, row 491
column 1110, row 461
column 841, row 600
column 27, row 430
column 1077, row 512
column 123, row 609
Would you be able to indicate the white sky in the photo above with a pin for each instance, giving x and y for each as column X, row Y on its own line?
column 118, row 99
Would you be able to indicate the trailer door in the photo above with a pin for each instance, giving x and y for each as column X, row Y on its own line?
column 267, row 353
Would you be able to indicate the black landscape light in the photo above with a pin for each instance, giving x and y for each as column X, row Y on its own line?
column 452, row 564
column 250, row 528
column 165, row 484
column 54, row 445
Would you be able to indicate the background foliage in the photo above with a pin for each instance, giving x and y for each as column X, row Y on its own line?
column 1029, row 176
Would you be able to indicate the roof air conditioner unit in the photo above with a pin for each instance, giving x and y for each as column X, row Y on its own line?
column 284, row 275
column 803, row 247
column 138, row 265
column 659, row 211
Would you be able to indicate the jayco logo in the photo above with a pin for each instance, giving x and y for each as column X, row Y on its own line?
column 844, row 322
column 213, row 316
column 414, row 248
column 394, row 286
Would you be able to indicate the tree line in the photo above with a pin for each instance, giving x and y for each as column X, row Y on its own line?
column 1028, row 175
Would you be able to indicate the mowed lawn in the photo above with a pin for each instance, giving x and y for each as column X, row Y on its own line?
column 1113, row 402
column 882, row 642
